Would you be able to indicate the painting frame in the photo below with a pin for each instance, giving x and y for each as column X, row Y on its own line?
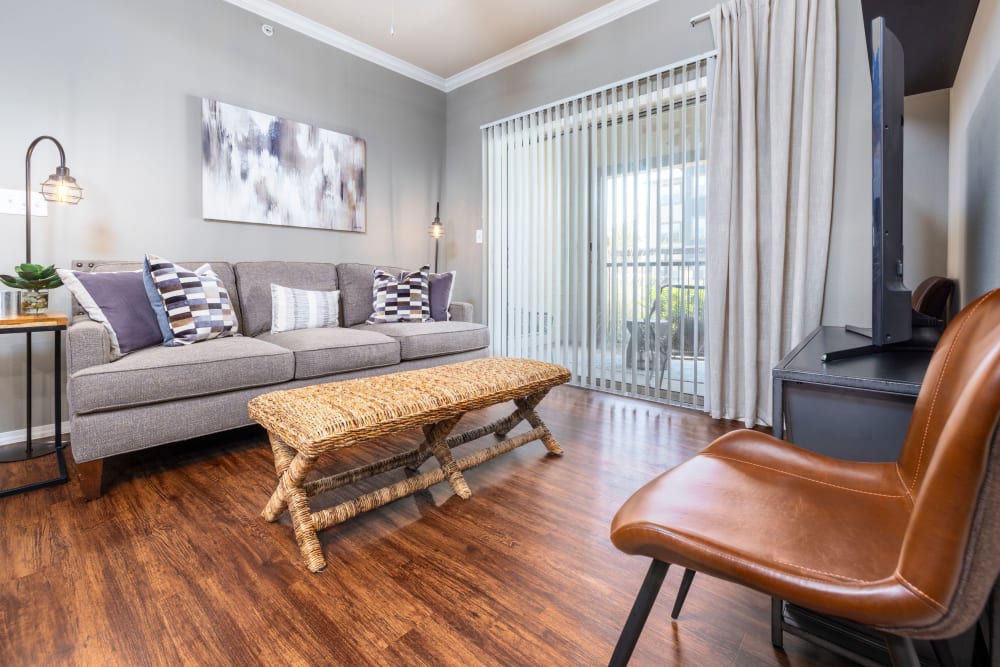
column 264, row 169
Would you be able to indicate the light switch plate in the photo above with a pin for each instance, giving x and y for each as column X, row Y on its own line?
column 479, row 232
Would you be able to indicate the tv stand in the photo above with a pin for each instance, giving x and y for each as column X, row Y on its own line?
column 925, row 334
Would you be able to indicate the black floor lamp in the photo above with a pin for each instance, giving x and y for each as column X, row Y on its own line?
column 58, row 188
column 437, row 231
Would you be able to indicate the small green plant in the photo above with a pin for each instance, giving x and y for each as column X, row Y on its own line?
column 32, row 277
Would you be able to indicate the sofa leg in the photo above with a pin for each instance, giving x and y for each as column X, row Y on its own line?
column 91, row 477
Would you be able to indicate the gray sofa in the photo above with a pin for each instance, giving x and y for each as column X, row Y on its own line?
column 166, row 394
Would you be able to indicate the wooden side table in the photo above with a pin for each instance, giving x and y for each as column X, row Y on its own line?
column 29, row 324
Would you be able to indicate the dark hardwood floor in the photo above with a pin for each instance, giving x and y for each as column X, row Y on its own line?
column 174, row 565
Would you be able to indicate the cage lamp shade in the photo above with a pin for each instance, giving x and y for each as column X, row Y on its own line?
column 437, row 229
column 61, row 188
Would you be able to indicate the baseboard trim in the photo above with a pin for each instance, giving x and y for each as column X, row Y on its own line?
column 37, row 433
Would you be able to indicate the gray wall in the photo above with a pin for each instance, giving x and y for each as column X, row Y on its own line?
column 925, row 186
column 119, row 83
column 982, row 196
column 848, row 273
column 974, row 160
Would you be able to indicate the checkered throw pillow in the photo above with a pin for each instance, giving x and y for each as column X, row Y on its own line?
column 395, row 300
column 197, row 303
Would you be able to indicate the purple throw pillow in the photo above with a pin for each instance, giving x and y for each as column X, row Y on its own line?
column 118, row 301
column 441, row 285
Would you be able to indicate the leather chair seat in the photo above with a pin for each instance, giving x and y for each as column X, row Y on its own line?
column 761, row 512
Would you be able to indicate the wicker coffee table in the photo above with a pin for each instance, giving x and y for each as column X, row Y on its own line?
column 305, row 423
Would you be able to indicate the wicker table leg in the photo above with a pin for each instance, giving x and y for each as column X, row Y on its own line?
column 437, row 438
column 420, row 454
column 289, row 494
column 526, row 406
column 283, row 455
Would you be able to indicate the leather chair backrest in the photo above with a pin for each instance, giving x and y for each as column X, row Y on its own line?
column 951, row 468
column 932, row 296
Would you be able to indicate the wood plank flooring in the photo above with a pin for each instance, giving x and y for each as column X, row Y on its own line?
column 174, row 566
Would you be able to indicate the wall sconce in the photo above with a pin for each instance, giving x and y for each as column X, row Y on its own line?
column 437, row 231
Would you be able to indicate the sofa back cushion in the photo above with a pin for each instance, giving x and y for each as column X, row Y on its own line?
column 255, row 278
column 356, row 281
column 224, row 270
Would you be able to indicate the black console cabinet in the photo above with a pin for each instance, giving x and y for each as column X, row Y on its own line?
column 856, row 408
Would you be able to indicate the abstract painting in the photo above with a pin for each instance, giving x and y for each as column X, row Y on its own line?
column 269, row 170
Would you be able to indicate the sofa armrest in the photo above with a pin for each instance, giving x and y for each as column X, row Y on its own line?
column 461, row 311
column 87, row 344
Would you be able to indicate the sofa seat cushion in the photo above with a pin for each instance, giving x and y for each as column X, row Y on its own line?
column 330, row 350
column 158, row 374
column 418, row 340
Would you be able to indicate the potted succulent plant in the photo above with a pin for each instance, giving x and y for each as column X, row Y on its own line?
column 34, row 281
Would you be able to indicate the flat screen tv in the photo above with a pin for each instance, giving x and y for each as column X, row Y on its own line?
column 891, row 300
column 892, row 312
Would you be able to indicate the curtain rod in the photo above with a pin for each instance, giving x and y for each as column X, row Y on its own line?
column 695, row 20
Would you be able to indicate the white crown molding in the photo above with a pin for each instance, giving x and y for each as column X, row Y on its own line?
column 567, row 31
column 272, row 12
column 595, row 19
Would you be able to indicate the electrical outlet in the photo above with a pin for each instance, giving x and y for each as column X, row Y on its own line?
column 479, row 236
column 12, row 201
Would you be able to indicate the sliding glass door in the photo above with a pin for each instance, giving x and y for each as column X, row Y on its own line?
column 595, row 213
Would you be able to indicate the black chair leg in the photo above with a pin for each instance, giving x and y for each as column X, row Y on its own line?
column 902, row 652
column 942, row 651
column 777, row 622
column 682, row 593
column 640, row 612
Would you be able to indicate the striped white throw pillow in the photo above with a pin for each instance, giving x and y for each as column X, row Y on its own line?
column 303, row 309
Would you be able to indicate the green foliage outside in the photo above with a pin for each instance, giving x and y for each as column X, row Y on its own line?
column 676, row 303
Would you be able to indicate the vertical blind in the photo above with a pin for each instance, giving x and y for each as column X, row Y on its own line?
column 595, row 215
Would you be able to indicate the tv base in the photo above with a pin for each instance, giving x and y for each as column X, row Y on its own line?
column 925, row 337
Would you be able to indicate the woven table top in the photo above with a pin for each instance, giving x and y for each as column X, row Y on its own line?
column 342, row 414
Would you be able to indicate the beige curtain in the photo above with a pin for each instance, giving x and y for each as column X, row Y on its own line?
column 770, row 192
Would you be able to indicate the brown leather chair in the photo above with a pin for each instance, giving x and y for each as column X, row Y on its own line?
column 932, row 297
column 911, row 548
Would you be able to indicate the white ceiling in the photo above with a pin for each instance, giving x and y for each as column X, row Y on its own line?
column 444, row 43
